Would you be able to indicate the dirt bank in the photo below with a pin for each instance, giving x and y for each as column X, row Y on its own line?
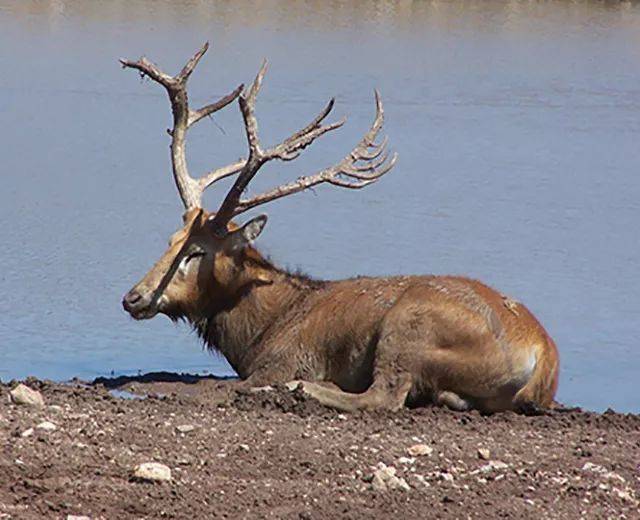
column 276, row 454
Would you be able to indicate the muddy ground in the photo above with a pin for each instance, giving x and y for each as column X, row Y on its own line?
column 276, row 454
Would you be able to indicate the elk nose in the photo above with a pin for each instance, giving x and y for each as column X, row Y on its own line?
column 130, row 300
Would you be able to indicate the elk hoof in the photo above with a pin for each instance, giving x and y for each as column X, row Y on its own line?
column 294, row 385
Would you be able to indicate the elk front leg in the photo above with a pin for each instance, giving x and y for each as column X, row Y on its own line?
column 382, row 394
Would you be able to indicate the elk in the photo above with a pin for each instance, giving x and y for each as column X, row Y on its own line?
column 355, row 344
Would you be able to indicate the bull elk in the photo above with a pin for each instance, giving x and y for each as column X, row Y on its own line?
column 361, row 343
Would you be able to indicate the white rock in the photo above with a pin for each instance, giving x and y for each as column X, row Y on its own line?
column 27, row 433
column 244, row 447
column 447, row 477
column 422, row 480
column 385, row 478
column 378, row 483
column 385, row 471
column 22, row 394
column 406, row 460
column 152, row 471
column 624, row 495
column 419, row 450
column 484, row 453
column 46, row 426
column 185, row 428
column 78, row 517
column 601, row 470
column 593, row 468
column 398, row 483
column 493, row 466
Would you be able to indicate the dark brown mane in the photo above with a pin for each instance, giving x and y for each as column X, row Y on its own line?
column 253, row 257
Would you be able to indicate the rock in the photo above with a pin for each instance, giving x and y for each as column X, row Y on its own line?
column 624, row 495
column 244, row 447
column 378, row 483
column 447, row 477
column 27, row 433
column 419, row 450
column 46, row 426
column 22, row 394
column 388, row 471
column 398, row 483
column 493, row 465
column 484, row 453
column 152, row 471
column 185, row 428
column 78, row 517
column 604, row 472
column 406, row 460
column 385, row 478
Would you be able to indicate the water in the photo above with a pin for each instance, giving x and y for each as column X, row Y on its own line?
column 517, row 125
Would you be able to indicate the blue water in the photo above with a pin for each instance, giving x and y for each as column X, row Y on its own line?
column 517, row 125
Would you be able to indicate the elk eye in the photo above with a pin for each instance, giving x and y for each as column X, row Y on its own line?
column 196, row 253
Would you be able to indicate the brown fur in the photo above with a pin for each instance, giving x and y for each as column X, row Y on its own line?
column 380, row 342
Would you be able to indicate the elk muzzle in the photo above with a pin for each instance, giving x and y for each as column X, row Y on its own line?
column 138, row 305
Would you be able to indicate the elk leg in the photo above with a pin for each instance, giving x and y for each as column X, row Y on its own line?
column 380, row 395
column 453, row 401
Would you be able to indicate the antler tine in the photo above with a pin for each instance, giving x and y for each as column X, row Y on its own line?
column 287, row 150
column 190, row 189
column 247, row 102
column 186, row 71
column 376, row 163
column 247, row 107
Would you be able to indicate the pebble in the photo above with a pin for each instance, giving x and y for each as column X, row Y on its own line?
column 22, row 394
column 385, row 478
column 185, row 428
column 624, row 495
column 152, row 471
column 447, row 477
column 493, row 465
column 27, row 433
column 484, row 453
column 46, row 426
column 78, row 517
column 601, row 470
column 244, row 447
column 419, row 450
column 406, row 460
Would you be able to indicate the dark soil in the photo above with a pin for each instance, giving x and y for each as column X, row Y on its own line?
column 278, row 454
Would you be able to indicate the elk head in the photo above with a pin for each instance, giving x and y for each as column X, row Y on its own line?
column 204, row 267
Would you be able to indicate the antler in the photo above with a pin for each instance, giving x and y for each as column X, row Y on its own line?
column 366, row 163
column 190, row 189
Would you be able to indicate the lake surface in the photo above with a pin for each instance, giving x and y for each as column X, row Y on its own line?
column 517, row 125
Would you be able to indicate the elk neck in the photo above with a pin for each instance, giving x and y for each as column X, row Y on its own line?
column 250, row 310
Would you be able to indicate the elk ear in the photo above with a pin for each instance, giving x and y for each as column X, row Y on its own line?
column 244, row 236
